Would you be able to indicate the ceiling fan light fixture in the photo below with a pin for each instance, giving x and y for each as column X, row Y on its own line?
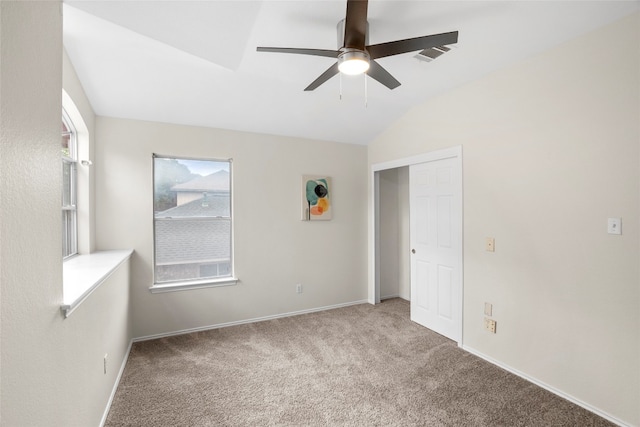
column 356, row 56
column 353, row 62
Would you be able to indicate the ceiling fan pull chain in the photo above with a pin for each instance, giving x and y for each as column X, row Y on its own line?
column 340, row 86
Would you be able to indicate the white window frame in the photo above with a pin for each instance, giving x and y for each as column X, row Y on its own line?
column 70, row 210
column 180, row 285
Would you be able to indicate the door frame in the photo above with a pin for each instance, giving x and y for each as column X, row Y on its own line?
column 374, row 219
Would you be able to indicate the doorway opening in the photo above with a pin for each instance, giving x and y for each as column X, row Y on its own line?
column 396, row 268
column 393, row 233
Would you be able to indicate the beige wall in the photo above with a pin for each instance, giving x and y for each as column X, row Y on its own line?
column 404, row 259
column 274, row 249
column 52, row 367
column 389, row 234
column 550, row 151
column 394, row 233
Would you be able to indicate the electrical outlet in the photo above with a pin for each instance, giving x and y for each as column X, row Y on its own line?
column 105, row 363
column 298, row 288
column 490, row 244
column 490, row 325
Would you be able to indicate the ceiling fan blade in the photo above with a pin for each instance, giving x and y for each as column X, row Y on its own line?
column 355, row 24
column 332, row 71
column 380, row 74
column 313, row 52
column 408, row 45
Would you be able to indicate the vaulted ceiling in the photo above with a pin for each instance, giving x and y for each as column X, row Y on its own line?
column 195, row 62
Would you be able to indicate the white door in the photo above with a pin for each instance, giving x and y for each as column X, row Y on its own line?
column 436, row 244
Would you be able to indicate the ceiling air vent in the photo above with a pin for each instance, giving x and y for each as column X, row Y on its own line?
column 432, row 53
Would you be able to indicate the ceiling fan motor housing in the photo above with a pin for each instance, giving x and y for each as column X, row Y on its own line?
column 351, row 60
column 340, row 28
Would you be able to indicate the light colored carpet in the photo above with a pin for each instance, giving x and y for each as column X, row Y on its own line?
column 356, row 366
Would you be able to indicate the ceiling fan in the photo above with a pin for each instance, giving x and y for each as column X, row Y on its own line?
column 356, row 57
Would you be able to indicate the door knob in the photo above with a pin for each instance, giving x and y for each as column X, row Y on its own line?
column 413, row 251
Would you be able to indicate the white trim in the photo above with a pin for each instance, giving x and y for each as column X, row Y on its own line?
column 376, row 236
column 547, row 387
column 444, row 153
column 116, row 384
column 82, row 274
column 185, row 286
column 243, row 322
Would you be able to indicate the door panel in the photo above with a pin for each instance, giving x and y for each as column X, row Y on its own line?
column 422, row 276
column 436, row 237
column 445, row 291
column 422, row 229
column 444, row 222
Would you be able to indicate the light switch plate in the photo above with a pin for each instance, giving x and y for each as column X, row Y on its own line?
column 488, row 309
column 614, row 226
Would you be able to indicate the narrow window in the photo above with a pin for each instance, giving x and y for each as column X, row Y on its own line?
column 69, row 188
column 192, row 219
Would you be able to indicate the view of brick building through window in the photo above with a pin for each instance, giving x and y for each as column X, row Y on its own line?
column 192, row 219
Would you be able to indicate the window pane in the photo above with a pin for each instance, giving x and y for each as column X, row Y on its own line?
column 68, row 176
column 186, row 248
column 68, row 137
column 68, row 233
column 66, row 144
column 65, row 240
column 192, row 219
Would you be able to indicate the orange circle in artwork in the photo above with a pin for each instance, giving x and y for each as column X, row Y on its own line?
column 323, row 203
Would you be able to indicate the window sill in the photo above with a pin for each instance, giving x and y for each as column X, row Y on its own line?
column 185, row 286
column 82, row 274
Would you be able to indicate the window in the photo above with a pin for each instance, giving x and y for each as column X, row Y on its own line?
column 69, row 188
column 192, row 220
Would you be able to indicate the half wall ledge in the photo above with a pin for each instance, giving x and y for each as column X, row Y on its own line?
column 82, row 274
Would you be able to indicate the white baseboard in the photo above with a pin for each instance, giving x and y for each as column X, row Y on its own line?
column 243, row 322
column 116, row 384
column 547, row 387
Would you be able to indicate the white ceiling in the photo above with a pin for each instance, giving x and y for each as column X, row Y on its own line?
column 195, row 62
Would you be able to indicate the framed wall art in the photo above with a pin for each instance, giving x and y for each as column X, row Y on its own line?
column 316, row 198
